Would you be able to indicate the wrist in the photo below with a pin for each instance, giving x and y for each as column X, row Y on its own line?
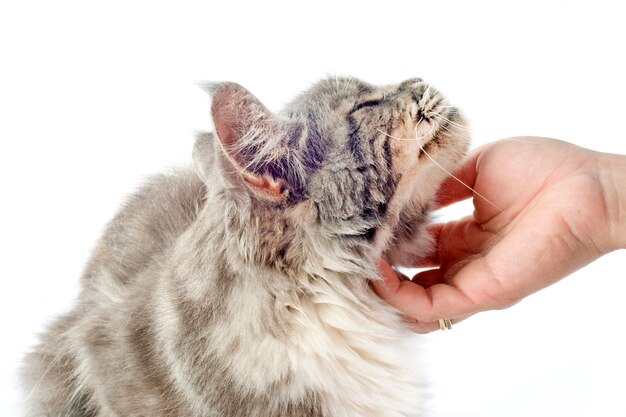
column 614, row 183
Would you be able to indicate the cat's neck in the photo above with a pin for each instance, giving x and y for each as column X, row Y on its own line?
column 231, row 230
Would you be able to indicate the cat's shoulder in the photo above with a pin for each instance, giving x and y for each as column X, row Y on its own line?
column 148, row 223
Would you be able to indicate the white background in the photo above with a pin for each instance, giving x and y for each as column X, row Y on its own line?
column 95, row 98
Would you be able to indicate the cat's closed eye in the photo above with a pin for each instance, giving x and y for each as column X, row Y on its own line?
column 367, row 102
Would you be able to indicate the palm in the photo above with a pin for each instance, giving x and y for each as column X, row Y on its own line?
column 543, row 202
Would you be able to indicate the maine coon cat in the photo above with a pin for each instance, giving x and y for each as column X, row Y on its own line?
column 239, row 286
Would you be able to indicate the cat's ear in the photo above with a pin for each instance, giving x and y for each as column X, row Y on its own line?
column 203, row 154
column 252, row 139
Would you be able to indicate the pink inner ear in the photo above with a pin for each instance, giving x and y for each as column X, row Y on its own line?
column 225, row 114
column 266, row 185
column 235, row 111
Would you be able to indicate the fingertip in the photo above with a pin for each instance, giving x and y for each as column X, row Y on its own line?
column 452, row 191
column 383, row 266
column 425, row 298
column 389, row 280
column 458, row 186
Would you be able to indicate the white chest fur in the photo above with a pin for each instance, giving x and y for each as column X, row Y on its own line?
column 331, row 338
column 354, row 349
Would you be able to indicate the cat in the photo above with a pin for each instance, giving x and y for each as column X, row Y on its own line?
column 239, row 286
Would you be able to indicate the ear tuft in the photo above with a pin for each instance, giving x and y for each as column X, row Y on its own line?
column 233, row 111
column 208, row 87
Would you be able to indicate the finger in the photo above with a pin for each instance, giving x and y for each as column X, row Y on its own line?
column 390, row 279
column 535, row 254
column 492, row 281
column 428, row 278
column 460, row 185
column 423, row 327
column 423, row 304
column 420, row 327
column 455, row 241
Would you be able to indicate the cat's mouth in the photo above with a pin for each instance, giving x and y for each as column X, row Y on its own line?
column 430, row 143
column 444, row 126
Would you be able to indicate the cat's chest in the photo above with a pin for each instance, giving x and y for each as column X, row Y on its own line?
column 348, row 351
column 329, row 348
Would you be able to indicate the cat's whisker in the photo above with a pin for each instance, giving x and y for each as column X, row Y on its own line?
column 450, row 130
column 439, row 165
column 419, row 121
column 458, row 179
column 457, row 125
column 447, row 129
column 415, row 139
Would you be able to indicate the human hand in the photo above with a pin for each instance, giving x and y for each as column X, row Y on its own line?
column 543, row 208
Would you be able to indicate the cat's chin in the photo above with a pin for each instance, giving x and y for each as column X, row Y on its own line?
column 427, row 149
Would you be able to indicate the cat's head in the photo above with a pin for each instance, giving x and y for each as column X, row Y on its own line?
column 345, row 157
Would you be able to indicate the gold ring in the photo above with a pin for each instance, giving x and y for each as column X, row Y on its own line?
column 445, row 324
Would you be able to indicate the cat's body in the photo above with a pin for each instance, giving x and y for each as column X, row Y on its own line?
column 240, row 287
